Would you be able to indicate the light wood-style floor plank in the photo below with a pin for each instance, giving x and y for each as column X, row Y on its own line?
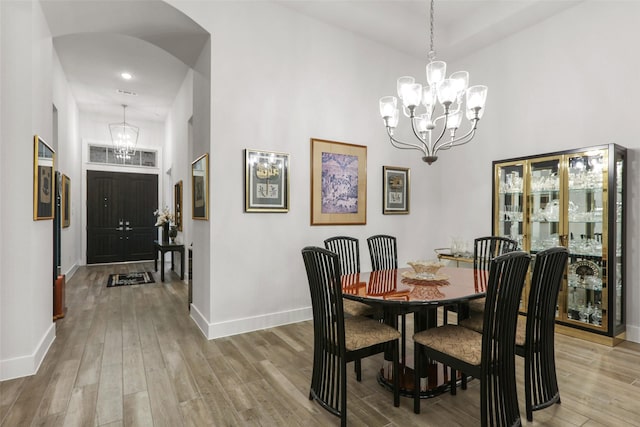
column 132, row 356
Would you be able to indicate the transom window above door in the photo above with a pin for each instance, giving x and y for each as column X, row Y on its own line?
column 105, row 155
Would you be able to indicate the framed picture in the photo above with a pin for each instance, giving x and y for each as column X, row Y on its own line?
column 395, row 190
column 43, row 182
column 65, row 196
column 200, row 187
column 177, row 204
column 266, row 181
column 338, row 183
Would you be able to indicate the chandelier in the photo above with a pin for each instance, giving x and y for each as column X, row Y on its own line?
column 434, row 133
column 124, row 137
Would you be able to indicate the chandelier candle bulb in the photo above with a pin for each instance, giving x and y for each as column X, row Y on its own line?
column 476, row 97
column 449, row 93
column 388, row 104
column 411, row 95
column 436, row 72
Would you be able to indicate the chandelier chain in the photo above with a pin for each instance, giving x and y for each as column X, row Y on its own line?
column 432, row 52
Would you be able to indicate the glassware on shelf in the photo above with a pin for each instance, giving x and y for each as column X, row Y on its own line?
column 512, row 183
column 585, row 313
column 596, row 317
column 549, row 182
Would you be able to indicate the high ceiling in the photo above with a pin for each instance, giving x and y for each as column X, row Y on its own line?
column 96, row 40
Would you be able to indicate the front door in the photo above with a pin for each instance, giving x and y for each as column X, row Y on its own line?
column 120, row 220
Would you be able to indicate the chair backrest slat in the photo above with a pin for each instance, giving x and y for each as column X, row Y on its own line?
column 383, row 251
column 487, row 248
column 348, row 250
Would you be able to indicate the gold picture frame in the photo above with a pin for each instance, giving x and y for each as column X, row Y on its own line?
column 177, row 204
column 44, row 158
column 200, row 188
column 395, row 190
column 65, row 201
column 266, row 181
column 338, row 183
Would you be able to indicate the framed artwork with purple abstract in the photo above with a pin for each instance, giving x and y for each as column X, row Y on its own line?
column 338, row 183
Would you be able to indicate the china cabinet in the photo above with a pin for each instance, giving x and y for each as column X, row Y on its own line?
column 576, row 199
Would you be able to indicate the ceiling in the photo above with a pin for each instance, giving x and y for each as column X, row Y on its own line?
column 96, row 40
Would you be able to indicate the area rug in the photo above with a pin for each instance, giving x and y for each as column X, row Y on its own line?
column 138, row 278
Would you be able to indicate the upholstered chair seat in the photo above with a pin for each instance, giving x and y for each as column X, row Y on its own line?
column 361, row 332
column 461, row 343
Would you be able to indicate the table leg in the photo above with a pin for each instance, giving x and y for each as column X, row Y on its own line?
column 155, row 261
column 162, row 265
column 172, row 252
column 182, row 264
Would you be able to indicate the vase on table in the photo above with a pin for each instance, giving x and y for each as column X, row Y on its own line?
column 173, row 233
column 165, row 232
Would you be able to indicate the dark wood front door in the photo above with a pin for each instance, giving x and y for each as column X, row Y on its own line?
column 120, row 220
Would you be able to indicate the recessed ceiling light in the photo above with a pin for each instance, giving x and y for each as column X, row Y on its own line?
column 126, row 76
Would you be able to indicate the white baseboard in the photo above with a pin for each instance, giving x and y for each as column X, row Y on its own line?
column 632, row 334
column 28, row 365
column 248, row 324
column 71, row 271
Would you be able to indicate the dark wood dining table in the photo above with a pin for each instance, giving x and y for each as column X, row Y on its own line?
column 401, row 291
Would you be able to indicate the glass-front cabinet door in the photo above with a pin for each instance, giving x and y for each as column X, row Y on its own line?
column 509, row 203
column 575, row 199
column 545, row 219
column 587, row 218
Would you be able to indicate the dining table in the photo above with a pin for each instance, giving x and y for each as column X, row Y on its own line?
column 402, row 291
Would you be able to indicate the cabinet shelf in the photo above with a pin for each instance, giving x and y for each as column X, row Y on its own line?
column 590, row 183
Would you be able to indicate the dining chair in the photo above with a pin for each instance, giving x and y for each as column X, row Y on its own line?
column 348, row 250
column 383, row 251
column 488, row 357
column 338, row 340
column 535, row 338
column 484, row 250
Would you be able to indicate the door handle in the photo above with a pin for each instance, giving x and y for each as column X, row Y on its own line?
column 120, row 229
column 128, row 228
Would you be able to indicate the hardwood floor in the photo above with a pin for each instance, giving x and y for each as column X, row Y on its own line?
column 131, row 356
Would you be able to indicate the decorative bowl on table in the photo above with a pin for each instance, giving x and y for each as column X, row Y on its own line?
column 426, row 269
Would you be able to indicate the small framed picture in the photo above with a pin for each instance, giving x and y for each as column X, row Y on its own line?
column 200, row 187
column 43, row 179
column 338, row 183
column 395, row 188
column 66, row 201
column 177, row 204
column 266, row 181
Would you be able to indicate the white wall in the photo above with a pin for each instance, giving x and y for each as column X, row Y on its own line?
column 565, row 83
column 69, row 163
column 26, row 280
column 177, row 155
column 279, row 79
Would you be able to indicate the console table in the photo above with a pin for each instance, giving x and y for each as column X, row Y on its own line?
column 164, row 247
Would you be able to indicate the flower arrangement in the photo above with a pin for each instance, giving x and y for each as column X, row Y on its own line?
column 163, row 216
